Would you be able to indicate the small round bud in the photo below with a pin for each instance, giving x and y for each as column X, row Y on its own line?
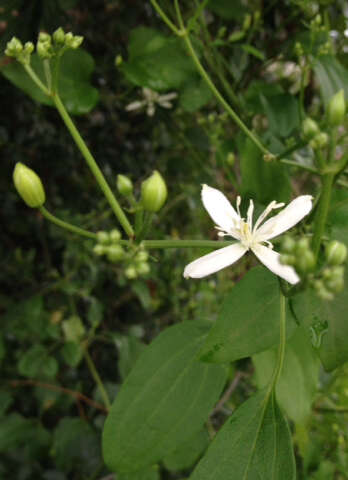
column 230, row 159
column 29, row 186
column 319, row 141
column 99, row 250
column 124, row 185
column 115, row 253
column 44, row 37
column 118, row 60
column 302, row 245
column 153, row 192
column 28, row 47
column 336, row 252
column 141, row 256
column 115, row 235
column 286, row 259
column 76, row 42
column 309, row 128
column 143, row 268
column 14, row 47
column 336, row 109
column 59, row 36
column 131, row 273
column 288, row 244
column 103, row 238
column 335, row 285
column 305, row 262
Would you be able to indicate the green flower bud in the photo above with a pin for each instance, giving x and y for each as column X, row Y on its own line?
column 141, row 256
column 44, row 37
column 115, row 253
column 302, row 246
column 99, row 250
column 286, row 259
column 131, row 273
column 319, row 141
column 115, row 235
column 59, row 36
column 13, row 47
column 336, row 109
column 309, row 128
column 29, row 186
column 143, row 268
column 118, row 60
column 335, row 285
column 305, row 262
column 336, row 252
column 230, row 159
column 153, row 192
column 103, row 238
column 124, row 185
column 288, row 244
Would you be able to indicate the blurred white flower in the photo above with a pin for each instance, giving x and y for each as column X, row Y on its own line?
column 255, row 238
column 151, row 98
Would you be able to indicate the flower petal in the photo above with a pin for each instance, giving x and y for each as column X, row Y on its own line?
column 215, row 261
column 287, row 218
column 219, row 208
column 135, row 105
column 270, row 259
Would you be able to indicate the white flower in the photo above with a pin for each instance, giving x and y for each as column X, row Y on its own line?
column 255, row 238
column 152, row 98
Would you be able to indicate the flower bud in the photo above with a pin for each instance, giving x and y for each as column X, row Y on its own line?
column 29, row 186
column 336, row 109
column 153, row 192
column 230, row 159
column 59, row 36
column 319, row 141
column 288, row 244
column 115, row 235
column 305, row 262
column 302, row 245
column 99, row 250
column 103, row 238
column 141, row 256
column 336, row 252
column 115, row 253
column 131, row 273
column 142, row 268
column 124, row 185
column 286, row 259
column 309, row 128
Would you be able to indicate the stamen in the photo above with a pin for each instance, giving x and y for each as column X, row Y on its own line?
column 250, row 214
column 238, row 205
column 273, row 205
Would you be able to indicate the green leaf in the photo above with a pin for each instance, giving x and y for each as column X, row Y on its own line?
column 228, row 10
column 194, row 95
column 36, row 362
column 76, row 446
column 73, row 328
column 331, row 317
column 249, row 319
column 331, row 76
column 282, row 113
column 264, row 181
column 157, row 61
column 16, row 431
column 164, row 400
column 253, row 51
column 72, row 353
column 187, row 453
column 254, row 444
column 75, row 90
column 299, row 377
column 151, row 473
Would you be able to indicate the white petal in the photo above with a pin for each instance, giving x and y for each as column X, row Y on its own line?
column 215, row 261
column 219, row 208
column 270, row 259
column 135, row 106
column 287, row 218
column 167, row 96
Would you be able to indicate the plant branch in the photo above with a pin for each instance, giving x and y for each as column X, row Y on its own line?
column 66, row 225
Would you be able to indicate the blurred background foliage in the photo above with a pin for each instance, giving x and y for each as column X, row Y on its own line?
column 61, row 305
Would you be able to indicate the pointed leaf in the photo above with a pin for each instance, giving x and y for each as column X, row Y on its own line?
column 254, row 444
column 249, row 320
column 164, row 400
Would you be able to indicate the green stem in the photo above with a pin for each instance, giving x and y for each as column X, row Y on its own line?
column 291, row 149
column 185, row 35
column 66, row 225
column 93, row 166
column 282, row 341
column 36, row 80
column 322, row 211
column 299, row 165
column 97, row 379
column 48, row 75
column 165, row 18
column 185, row 243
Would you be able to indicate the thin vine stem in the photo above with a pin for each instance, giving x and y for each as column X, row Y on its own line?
column 97, row 379
column 93, row 166
column 37, row 80
column 66, row 225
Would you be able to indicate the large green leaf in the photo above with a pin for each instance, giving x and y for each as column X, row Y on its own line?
column 330, row 320
column 299, row 377
column 331, row 76
column 77, row 93
column 263, row 181
column 188, row 452
column 254, row 444
column 249, row 319
column 164, row 400
column 282, row 113
column 157, row 61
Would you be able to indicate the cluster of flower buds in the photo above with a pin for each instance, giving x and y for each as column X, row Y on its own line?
column 47, row 46
column 313, row 135
column 29, row 186
column 330, row 279
column 298, row 254
column 135, row 262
